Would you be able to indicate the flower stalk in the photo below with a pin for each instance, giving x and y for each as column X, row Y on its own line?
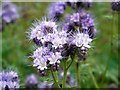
column 65, row 74
column 54, row 78
column 78, row 74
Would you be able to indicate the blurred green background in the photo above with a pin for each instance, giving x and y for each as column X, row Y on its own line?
column 102, row 57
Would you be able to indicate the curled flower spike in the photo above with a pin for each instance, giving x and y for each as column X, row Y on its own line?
column 56, row 10
column 82, row 20
column 47, row 31
column 9, row 12
column 41, row 31
column 9, row 80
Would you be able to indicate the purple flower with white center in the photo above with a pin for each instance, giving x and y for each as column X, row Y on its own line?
column 40, row 63
column 59, row 39
column 56, row 10
column 54, row 57
column 40, row 58
column 81, row 40
column 41, row 28
column 9, row 12
column 42, row 55
column 41, row 31
column 9, row 80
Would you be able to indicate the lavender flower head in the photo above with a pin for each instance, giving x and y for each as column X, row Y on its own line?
column 56, row 10
column 31, row 81
column 9, row 80
column 9, row 12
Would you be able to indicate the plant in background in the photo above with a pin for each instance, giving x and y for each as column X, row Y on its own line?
column 9, row 12
column 56, row 10
column 115, row 5
column 58, row 43
column 31, row 81
column 9, row 80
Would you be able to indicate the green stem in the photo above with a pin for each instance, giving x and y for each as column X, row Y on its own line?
column 54, row 79
column 93, row 79
column 69, row 64
column 56, row 76
column 65, row 74
column 78, row 74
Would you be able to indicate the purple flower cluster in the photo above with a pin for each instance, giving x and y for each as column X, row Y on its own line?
column 57, row 42
column 81, row 20
column 52, row 39
column 81, row 30
column 77, row 4
column 53, row 44
column 9, row 12
column 9, row 80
